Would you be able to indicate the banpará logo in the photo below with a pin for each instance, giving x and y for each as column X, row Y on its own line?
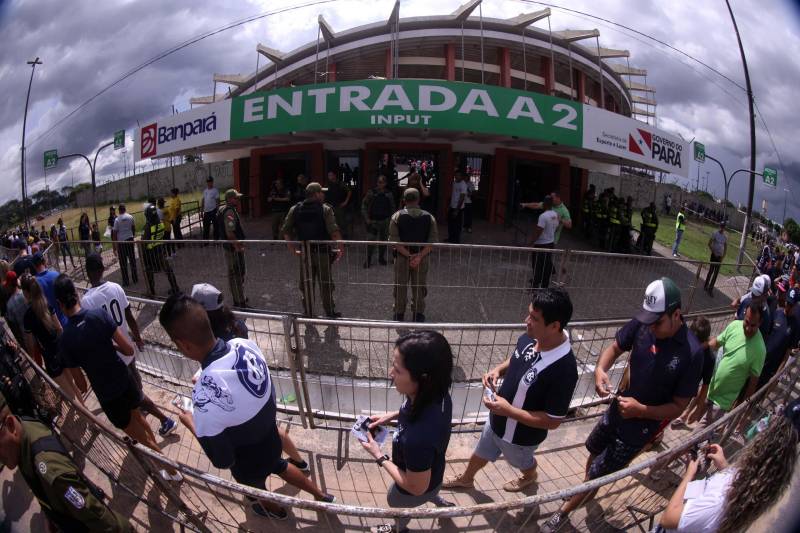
column 187, row 129
column 148, row 140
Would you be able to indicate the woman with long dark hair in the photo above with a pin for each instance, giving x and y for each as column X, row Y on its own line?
column 41, row 331
column 422, row 372
column 85, row 233
column 734, row 497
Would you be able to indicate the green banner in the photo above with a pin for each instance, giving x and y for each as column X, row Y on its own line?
column 417, row 104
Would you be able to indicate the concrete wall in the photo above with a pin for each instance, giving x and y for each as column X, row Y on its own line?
column 642, row 189
column 186, row 177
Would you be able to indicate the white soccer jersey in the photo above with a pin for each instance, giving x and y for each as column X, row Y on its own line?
column 110, row 297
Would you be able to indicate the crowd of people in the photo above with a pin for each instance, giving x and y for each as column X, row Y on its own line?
column 677, row 374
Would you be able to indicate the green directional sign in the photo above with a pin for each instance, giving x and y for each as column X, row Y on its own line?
column 699, row 152
column 119, row 139
column 770, row 177
column 50, row 159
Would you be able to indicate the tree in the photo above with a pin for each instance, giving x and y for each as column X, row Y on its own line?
column 792, row 229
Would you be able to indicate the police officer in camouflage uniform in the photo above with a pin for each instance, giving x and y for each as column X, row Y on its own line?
column 314, row 220
column 67, row 499
column 231, row 225
column 647, row 231
column 587, row 206
column 600, row 219
column 377, row 208
column 412, row 225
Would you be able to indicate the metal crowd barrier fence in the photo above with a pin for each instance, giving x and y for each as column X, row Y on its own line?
column 208, row 501
column 465, row 283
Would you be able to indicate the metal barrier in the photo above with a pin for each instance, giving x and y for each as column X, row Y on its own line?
column 465, row 283
column 208, row 501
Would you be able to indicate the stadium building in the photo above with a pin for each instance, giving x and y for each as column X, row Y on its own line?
column 523, row 109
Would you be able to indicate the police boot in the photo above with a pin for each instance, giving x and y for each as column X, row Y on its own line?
column 382, row 260
column 419, row 317
column 399, row 317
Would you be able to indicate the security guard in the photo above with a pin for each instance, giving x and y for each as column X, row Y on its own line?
column 680, row 227
column 626, row 221
column 377, row 208
column 412, row 225
column 228, row 220
column 648, row 228
column 600, row 218
column 587, row 206
column 614, row 224
column 314, row 220
column 338, row 197
column 155, row 258
column 67, row 499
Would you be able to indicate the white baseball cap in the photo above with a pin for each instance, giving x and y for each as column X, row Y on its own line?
column 662, row 296
column 207, row 295
column 760, row 285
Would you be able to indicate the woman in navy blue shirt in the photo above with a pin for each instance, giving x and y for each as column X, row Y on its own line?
column 422, row 372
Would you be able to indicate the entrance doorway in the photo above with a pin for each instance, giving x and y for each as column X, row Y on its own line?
column 477, row 167
column 400, row 166
column 281, row 166
column 531, row 181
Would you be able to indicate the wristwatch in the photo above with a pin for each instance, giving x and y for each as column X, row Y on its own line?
column 382, row 459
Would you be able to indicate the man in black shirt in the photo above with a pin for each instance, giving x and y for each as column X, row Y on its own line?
column 665, row 364
column 783, row 338
column 538, row 382
column 338, row 197
column 279, row 203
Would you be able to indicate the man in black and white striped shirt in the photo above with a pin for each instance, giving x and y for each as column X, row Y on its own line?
column 534, row 397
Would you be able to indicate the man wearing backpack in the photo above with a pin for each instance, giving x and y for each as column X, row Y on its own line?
column 68, row 500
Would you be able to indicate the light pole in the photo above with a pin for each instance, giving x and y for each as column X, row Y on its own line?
column 24, row 124
column 727, row 181
column 746, row 226
column 92, row 167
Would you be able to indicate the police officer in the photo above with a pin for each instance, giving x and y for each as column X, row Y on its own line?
column 228, row 220
column 413, row 225
column 338, row 197
column 314, row 220
column 600, row 218
column 614, row 224
column 279, row 202
column 587, row 206
column 67, row 499
column 377, row 208
column 648, row 228
column 155, row 259
column 626, row 221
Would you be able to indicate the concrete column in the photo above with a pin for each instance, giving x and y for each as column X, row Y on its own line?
column 450, row 61
column 505, row 66
column 332, row 72
column 581, row 87
column 548, row 73
column 388, row 63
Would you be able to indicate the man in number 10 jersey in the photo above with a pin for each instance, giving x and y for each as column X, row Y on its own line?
column 111, row 297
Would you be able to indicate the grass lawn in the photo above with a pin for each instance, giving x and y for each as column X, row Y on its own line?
column 72, row 215
column 694, row 244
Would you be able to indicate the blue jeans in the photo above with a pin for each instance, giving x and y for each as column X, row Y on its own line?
column 678, row 237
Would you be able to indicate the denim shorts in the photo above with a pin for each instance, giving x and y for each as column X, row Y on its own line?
column 490, row 447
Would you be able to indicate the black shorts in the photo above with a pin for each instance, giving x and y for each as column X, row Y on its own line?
column 611, row 453
column 257, row 461
column 118, row 410
column 133, row 372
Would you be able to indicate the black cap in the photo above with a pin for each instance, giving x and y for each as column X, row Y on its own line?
column 37, row 258
column 94, row 263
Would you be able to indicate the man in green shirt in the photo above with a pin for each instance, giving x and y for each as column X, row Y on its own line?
column 564, row 219
column 741, row 364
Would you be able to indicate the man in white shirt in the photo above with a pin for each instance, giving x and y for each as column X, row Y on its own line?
column 543, row 236
column 122, row 236
column 110, row 297
column 455, row 216
column 718, row 245
column 209, row 203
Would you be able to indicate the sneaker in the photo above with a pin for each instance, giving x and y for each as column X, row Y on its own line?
column 327, row 498
column 385, row 528
column 302, row 465
column 438, row 501
column 166, row 476
column 554, row 523
column 334, row 314
column 520, row 483
column 167, row 427
column 260, row 510
column 457, row 482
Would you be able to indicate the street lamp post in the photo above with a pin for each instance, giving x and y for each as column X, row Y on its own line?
column 727, row 181
column 24, row 124
column 92, row 169
column 746, row 225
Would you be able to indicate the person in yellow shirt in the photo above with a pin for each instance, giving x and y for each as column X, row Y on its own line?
column 173, row 214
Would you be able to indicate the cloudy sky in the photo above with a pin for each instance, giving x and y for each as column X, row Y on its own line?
column 87, row 45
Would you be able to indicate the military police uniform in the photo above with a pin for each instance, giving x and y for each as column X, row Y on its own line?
column 411, row 224
column 613, row 225
column 336, row 194
column 66, row 497
column 228, row 219
column 155, row 259
column 377, row 209
column 600, row 218
column 648, row 229
column 587, row 206
column 311, row 220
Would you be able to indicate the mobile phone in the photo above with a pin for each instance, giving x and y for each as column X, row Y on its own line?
column 361, row 429
column 184, row 403
column 489, row 394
